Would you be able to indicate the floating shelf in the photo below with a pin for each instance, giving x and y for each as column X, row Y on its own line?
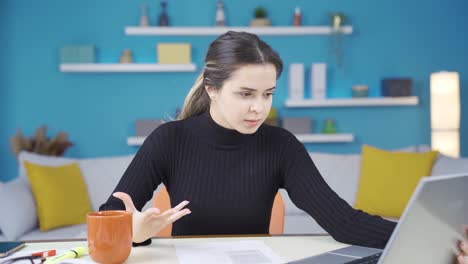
column 210, row 31
column 135, row 141
column 304, row 138
column 350, row 102
column 325, row 138
column 126, row 67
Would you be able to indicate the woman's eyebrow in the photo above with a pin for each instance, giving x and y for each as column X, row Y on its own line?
column 254, row 90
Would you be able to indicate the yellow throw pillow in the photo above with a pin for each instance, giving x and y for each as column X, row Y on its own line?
column 60, row 193
column 388, row 179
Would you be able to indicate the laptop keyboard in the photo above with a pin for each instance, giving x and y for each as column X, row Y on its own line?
column 372, row 259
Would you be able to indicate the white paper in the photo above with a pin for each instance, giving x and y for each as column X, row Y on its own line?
column 235, row 252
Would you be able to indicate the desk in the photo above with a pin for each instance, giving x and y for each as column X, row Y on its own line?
column 162, row 249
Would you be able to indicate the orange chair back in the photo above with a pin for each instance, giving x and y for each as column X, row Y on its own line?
column 277, row 216
column 163, row 202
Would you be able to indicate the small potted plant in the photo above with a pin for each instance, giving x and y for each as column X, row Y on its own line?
column 40, row 143
column 260, row 18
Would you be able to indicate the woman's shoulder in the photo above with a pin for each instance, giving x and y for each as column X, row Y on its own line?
column 172, row 125
column 285, row 141
column 277, row 133
column 168, row 129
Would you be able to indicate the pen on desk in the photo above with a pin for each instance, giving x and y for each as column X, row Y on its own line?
column 72, row 253
column 45, row 254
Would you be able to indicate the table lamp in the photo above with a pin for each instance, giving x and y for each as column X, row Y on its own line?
column 445, row 113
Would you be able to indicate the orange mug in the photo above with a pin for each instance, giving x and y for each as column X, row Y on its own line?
column 109, row 236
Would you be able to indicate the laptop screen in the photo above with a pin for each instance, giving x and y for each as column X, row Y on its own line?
column 432, row 222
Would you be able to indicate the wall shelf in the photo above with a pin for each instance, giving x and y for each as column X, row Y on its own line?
column 214, row 31
column 353, row 102
column 126, row 67
column 325, row 138
column 304, row 138
column 135, row 141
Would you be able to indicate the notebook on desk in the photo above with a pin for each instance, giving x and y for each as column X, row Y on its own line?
column 428, row 231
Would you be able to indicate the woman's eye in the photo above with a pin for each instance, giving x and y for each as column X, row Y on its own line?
column 245, row 94
column 269, row 94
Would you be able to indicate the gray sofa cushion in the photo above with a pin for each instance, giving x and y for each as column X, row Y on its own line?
column 17, row 203
column 448, row 165
column 68, row 232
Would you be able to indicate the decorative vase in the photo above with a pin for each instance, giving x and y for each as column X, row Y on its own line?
column 260, row 22
column 360, row 91
column 126, row 56
column 144, row 21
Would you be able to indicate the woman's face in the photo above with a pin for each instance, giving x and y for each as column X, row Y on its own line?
column 244, row 100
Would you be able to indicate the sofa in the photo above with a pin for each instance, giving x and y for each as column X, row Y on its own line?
column 340, row 171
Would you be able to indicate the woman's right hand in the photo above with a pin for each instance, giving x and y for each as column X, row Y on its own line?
column 146, row 224
column 463, row 257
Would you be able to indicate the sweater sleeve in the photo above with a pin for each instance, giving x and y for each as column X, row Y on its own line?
column 142, row 176
column 309, row 191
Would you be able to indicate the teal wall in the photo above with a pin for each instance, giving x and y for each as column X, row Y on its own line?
column 392, row 39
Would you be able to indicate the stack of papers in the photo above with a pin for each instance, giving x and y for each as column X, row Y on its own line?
column 236, row 252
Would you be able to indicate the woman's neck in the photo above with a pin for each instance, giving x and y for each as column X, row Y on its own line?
column 219, row 119
column 206, row 127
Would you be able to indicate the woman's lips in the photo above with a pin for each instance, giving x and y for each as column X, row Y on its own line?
column 252, row 123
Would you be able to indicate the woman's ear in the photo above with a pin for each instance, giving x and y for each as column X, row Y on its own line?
column 211, row 91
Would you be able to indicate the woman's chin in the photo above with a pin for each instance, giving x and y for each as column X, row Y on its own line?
column 248, row 130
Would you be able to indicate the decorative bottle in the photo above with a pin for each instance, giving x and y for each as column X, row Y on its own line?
column 163, row 19
column 144, row 21
column 297, row 16
column 220, row 16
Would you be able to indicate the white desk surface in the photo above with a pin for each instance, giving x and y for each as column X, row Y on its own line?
column 163, row 250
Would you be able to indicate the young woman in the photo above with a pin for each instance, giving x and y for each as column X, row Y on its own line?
column 222, row 158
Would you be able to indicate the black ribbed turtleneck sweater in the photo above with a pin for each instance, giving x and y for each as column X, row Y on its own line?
column 231, row 180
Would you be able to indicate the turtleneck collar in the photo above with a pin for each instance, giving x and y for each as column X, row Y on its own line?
column 208, row 129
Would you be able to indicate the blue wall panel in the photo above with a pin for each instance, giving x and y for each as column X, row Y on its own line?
column 391, row 39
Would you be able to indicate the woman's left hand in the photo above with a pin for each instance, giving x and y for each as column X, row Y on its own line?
column 462, row 259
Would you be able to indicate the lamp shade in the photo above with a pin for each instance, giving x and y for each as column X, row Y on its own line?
column 446, row 142
column 445, row 113
column 445, row 101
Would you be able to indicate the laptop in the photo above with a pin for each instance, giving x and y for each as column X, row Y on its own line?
column 428, row 230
